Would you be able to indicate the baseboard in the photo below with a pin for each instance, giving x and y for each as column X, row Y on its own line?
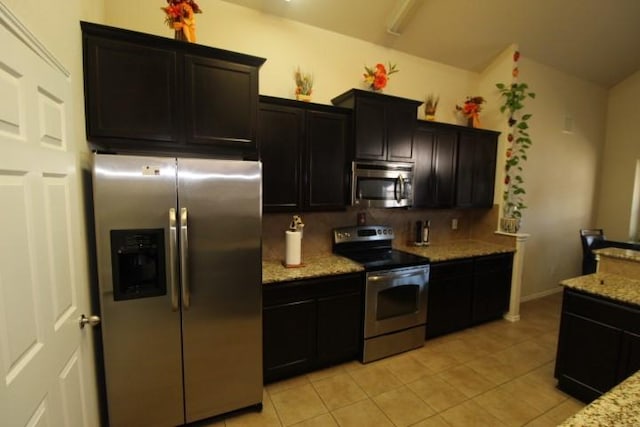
column 541, row 294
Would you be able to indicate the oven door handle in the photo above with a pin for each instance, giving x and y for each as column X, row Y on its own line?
column 398, row 194
column 378, row 277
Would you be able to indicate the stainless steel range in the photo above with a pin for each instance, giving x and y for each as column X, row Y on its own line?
column 395, row 292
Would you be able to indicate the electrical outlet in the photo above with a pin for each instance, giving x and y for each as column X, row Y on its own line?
column 454, row 223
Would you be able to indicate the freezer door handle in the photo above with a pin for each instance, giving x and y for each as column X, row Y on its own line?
column 173, row 259
column 184, row 258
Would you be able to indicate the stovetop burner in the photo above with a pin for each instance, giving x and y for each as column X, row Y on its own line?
column 371, row 246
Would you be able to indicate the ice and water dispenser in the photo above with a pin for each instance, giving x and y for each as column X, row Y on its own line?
column 138, row 263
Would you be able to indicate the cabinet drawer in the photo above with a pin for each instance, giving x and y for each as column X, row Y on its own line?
column 599, row 310
column 448, row 269
column 493, row 263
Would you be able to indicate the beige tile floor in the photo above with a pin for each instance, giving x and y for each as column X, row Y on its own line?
column 496, row 374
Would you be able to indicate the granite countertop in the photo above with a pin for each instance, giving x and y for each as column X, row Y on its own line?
column 618, row 407
column 626, row 254
column 613, row 286
column 456, row 249
column 325, row 264
column 313, row 266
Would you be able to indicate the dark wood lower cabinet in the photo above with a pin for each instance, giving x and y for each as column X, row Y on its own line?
column 289, row 331
column 598, row 345
column 309, row 324
column 449, row 301
column 491, row 287
column 466, row 292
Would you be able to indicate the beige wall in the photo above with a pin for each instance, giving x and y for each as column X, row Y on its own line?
column 622, row 151
column 561, row 173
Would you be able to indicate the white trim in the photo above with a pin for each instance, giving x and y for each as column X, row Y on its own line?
column 542, row 294
column 22, row 33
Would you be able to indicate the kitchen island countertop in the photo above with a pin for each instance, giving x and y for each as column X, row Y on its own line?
column 618, row 407
column 608, row 285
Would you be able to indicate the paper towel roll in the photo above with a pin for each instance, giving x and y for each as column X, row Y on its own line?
column 293, row 248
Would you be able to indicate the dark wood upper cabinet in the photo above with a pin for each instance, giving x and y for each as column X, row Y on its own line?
column 303, row 151
column 279, row 134
column 435, row 170
column 455, row 166
column 383, row 125
column 476, row 168
column 221, row 100
column 145, row 93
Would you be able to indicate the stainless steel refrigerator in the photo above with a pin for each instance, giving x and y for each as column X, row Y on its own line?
column 179, row 271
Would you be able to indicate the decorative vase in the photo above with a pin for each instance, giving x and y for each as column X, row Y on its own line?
column 304, row 98
column 179, row 35
column 470, row 122
column 430, row 116
column 510, row 225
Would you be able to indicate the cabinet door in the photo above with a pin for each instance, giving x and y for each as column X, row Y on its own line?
column 424, row 178
column 325, row 183
column 131, row 93
column 491, row 287
column 435, row 169
column 630, row 362
column 371, row 141
column 449, row 301
column 221, row 103
column 401, row 119
column 444, row 168
column 280, row 133
column 289, row 339
column 588, row 353
column 475, row 178
column 339, row 333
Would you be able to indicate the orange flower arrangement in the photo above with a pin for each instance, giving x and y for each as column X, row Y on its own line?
column 471, row 109
column 378, row 77
column 180, row 17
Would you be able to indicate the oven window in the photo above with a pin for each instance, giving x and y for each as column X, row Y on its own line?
column 397, row 301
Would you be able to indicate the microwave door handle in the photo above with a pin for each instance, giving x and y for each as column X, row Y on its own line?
column 184, row 258
column 173, row 259
column 398, row 194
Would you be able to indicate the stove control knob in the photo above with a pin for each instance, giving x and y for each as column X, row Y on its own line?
column 379, row 231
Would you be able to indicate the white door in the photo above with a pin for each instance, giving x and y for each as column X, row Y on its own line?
column 46, row 362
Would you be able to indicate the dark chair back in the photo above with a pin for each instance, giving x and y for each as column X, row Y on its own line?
column 589, row 238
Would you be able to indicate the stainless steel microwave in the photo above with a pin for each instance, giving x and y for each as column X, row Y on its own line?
column 377, row 184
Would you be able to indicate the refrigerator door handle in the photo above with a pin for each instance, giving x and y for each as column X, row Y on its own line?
column 173, row 259
column 184, row 258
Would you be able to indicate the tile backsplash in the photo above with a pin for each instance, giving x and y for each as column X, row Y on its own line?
column 476, row 224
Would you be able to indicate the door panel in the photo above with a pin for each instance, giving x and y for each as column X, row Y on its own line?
column 136, row 193
column 45, row 362
column 222, row 329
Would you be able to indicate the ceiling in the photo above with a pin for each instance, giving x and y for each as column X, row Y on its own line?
column 596, row 40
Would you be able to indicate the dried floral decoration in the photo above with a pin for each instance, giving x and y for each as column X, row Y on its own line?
column 180, row 17
column 378, row 76
column 304, row 82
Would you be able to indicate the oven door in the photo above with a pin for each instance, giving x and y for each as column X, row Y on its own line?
column 395, row 300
